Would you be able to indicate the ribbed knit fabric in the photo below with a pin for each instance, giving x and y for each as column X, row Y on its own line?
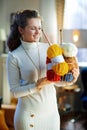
column 35, row 110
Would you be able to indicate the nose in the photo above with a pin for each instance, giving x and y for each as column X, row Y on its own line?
column 37, row 30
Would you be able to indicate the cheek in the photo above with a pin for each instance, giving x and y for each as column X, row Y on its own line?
column 29, row 34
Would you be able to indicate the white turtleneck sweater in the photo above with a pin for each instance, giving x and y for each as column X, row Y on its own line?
column 35, row 110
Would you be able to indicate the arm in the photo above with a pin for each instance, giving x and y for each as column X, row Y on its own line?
column 13, row 71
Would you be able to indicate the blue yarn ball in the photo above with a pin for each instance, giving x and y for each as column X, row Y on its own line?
column 69, row 77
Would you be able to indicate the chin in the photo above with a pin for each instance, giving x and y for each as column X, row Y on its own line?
column 36, row 40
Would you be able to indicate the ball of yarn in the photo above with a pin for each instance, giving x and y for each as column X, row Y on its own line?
column 51, row 75
column 70, row 51
column 53, row 51
column 68, row 77
column 59, row 66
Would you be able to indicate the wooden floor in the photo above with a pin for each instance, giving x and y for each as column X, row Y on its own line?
column 74, row 121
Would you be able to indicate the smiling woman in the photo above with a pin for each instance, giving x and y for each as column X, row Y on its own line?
column 26, row 68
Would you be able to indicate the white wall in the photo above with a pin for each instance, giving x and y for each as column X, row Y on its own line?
column 48, row 12
column 9, row 6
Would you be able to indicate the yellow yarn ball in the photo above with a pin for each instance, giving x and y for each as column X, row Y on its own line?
column 53, row 51
column 61, row 68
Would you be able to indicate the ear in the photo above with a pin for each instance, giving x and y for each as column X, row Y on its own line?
column 20, row 30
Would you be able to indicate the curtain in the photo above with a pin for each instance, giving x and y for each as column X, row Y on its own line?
column 60, row 16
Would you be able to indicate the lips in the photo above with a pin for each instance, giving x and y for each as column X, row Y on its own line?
column 36, row 37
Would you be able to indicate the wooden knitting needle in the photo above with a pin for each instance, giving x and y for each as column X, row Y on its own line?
column 46, row 37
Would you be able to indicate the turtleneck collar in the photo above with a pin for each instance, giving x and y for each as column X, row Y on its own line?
column 28, row 45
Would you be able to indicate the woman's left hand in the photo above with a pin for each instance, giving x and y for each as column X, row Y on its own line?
column 76, row 73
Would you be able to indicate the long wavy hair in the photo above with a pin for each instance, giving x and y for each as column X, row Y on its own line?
column 20, row 19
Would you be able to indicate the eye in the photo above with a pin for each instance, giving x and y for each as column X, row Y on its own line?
column 35, row 28
column 32, row 28
column 39, row 28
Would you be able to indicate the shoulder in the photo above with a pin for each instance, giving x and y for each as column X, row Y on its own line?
column 15, row 52
column 14, row 55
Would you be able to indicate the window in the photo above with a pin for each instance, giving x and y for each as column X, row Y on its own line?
column 75, row 14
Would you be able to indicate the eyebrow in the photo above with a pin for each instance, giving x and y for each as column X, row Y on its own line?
column 34, row 26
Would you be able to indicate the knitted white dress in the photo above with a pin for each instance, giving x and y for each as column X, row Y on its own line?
column 35, row 110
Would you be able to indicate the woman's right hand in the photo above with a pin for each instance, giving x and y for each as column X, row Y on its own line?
column 42, row 82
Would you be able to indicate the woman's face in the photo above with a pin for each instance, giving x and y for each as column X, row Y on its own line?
column 32, row 32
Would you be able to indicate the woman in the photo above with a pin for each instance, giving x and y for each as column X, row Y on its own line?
column 26, row 67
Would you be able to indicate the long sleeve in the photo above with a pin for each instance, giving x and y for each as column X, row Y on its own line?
column 19, row 89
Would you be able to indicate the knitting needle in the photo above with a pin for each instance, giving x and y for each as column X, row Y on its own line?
column 46, row 37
